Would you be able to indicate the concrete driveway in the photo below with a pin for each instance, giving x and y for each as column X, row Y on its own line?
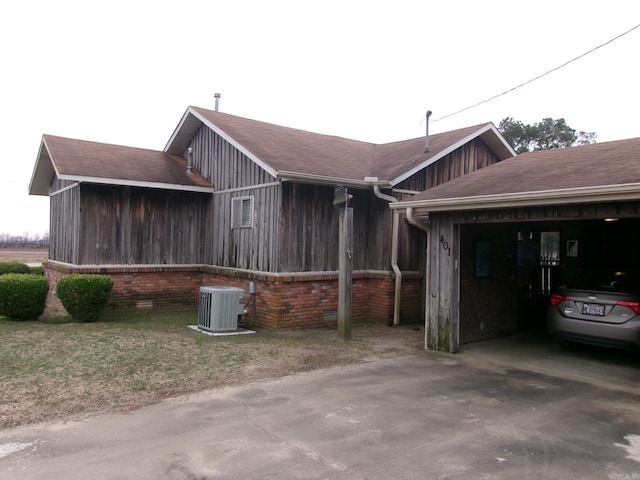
column 516, row 408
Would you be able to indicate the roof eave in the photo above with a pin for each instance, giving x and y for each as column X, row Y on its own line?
column 607, row 193
column 43, row 172
column 137, row 183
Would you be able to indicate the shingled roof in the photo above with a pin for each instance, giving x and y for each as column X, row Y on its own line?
column 282, row 151
column 93, row 162
column 599, row 172
column 285, row 153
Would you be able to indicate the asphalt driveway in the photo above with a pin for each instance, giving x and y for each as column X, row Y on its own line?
column 520, row 409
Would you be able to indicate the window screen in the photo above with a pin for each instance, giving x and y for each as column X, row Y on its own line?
column 242, row 212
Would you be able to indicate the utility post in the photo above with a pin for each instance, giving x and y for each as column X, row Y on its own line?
column 345, row 261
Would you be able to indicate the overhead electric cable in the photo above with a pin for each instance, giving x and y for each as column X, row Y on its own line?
column 539, row 76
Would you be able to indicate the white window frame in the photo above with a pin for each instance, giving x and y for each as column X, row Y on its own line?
column 242, row 212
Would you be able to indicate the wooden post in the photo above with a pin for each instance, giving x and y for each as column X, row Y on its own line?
column 345, row 268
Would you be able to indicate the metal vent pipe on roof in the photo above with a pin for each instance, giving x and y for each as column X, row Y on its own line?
column 426, row 141
column 217, row 97
column 190, row 161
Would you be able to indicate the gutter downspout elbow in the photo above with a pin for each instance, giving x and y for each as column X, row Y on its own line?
column 414, row 221
column 395, row 226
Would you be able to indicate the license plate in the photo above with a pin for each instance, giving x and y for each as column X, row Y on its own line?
column 593, row 309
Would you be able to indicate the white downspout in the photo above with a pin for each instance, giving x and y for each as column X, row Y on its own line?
column 394, row 253
column 422, row 226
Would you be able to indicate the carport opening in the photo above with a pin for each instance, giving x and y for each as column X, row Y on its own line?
column 509, row 270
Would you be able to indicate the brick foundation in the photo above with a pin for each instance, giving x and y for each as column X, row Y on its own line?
column 281, row 300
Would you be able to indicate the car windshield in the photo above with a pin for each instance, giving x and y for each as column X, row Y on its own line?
column 623, row 281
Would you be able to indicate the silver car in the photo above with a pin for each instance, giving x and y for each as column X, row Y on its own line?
column 600, row 308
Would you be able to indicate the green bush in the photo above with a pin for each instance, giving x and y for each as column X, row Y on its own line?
column 23, row 296
column 37, row 270
column 13, row 267
column 84, row 296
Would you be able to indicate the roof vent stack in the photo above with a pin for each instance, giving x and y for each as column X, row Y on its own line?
column 217, row 97
column 426, row 140
column 190, row 161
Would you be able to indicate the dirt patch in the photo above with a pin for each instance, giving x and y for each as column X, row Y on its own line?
column 71, row 371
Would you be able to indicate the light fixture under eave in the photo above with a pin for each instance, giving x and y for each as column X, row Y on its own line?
column 611, row 219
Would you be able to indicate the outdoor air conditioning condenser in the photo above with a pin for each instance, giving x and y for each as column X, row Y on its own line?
column 219, row 308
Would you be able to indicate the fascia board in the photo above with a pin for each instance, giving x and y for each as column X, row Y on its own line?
column 135, row 183
column 177, row 130
column 44, row 167
column 608, row 193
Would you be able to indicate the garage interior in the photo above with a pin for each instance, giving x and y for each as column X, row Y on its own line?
column 508, row 270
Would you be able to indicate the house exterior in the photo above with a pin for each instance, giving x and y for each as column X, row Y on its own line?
column 233, row 201
column 500, row 239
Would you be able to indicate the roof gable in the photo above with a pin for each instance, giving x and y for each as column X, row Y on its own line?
column 555, row 176
column 94, row 162
column 283, row 151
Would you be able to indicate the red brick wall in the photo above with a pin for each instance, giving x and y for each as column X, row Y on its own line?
column 281, row 301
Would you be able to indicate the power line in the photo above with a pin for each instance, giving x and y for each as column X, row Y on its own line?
column 539, row 76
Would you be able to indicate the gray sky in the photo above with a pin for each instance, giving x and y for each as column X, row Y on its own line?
column 124, row 72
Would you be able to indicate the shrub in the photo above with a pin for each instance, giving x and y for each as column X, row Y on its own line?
column 84, row 296
column 13, row 267
column 23, row 296
column 37, row 270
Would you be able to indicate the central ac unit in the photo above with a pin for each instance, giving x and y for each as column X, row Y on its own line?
column 219, row 308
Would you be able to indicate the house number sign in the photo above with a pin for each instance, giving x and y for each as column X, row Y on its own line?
column 445, row 245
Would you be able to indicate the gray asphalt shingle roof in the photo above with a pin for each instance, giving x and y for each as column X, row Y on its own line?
column 600, row 164
column 276, row 148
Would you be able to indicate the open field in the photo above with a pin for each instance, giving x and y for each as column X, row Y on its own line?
column 52, row 370
column 24, row 255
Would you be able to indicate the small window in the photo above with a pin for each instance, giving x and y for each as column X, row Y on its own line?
column 242, row 212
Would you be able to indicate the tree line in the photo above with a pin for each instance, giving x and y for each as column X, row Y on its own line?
column 547, row 134
column 34, row 240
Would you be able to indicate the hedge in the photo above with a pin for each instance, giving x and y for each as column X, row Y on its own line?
column 23, row 296
column 13, row 267
column 84, row 296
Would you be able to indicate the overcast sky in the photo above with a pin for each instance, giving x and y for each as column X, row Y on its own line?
column 124, row 72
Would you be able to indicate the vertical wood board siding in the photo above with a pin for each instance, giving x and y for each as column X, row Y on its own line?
column 310, row 230
column 64, row 225
column 125, row 225
column 223, row 164
column 256, row 247
column 466, row 159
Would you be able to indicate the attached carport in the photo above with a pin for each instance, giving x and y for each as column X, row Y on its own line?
column 501, row 238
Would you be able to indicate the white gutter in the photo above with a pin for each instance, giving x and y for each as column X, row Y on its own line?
column 395, row 226
column 414, row 221
column 314, row 179
column 607, row 193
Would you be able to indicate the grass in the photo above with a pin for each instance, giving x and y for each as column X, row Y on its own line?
column 58, row 369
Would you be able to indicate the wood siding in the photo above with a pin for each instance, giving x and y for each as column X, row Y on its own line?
column 64, row 225
column 125, row 225
column 466, row 159
column 253, row 248
column 222, row 164
column 443, row 294
column 310, row 230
